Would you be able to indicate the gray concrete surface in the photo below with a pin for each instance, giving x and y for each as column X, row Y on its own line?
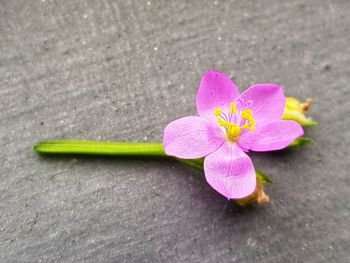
column 121, row 70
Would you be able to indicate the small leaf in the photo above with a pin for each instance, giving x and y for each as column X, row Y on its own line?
column 263, row 178
column 301, row 141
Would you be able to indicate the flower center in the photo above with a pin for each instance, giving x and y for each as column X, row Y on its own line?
column 238, row 120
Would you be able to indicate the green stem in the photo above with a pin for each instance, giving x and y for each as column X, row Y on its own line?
column 194, row 163
column 117, row 148
column 100, row 148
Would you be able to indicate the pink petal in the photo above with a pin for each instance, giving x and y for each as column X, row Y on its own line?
column 216, row 90
column 191, row 137
column 272, row 136
column 230, row 171
column 268, row 102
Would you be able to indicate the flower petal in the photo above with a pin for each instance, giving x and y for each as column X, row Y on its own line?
column 216, row 90
column 272, row 136
column 268, row 102
column 191, row 137
column 230, row 171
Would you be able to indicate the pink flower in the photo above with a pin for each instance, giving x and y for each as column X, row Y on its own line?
column 230, row 124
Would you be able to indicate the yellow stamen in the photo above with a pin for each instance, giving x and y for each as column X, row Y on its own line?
column 233, row 130
column 247, row 114
column 222, row 122
column 233, row 109
column 217, row 111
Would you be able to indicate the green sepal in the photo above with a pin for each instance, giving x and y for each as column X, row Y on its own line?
column 301, row 141
column 263, row 178
column 299, row 117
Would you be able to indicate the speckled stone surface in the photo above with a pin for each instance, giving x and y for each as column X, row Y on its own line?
column 121, row 70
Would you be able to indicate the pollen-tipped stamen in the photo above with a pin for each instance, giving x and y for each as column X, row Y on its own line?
column 237, row 122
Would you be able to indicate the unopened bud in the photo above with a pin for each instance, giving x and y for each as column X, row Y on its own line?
column 295, row 110
column 258, row 196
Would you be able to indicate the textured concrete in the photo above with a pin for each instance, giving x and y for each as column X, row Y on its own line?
column 121, row 70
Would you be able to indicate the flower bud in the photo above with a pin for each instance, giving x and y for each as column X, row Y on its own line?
column 295, row 110
column 258, row 196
